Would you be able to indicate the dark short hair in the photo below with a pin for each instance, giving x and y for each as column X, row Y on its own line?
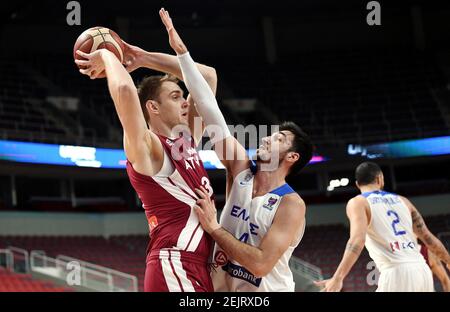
column 367, row 172
column 300, row 144
column 149, row 89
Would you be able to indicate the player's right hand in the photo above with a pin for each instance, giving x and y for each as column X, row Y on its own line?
column 174, row 39
column 206, row 211
column 330, row 285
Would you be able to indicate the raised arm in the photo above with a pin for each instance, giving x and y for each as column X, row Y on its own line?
column 287, row 224
column 422, row 232
column 229, row 150
column 125, row 98
column 356, row 213
column 135, row 57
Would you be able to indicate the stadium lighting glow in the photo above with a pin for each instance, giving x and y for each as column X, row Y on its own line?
column 83, row 156
column 407, row 148
column 335, row 183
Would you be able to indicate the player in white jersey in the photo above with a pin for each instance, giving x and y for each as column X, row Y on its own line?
column 264, row 218
column 388, row 224
column 262, row 222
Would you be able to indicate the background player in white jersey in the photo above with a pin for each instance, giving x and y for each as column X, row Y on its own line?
column 264, row 219
column 388, row 225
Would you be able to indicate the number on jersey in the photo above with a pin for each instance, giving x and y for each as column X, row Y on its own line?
column 206, row 185
column 395, row 223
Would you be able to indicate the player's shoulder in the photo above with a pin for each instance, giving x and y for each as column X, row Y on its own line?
column 293, row 200
column 358, row 200
column 291, row 206
column 403, row 198
column 407, row 202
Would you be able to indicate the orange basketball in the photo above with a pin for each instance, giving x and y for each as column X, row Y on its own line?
column 96, row 38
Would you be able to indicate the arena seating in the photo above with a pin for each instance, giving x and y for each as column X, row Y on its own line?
column 28, row 116
column 96, row 250
column 349, row 96
column 338, row 97
column 25, row 283
column 23, row 115
column 321, row 246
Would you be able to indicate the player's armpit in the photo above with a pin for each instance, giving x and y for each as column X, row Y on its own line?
column 146, row 156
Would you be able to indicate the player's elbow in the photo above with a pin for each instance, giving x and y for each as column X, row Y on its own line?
column 210, row 75
column 125, row 91
column 358, row 241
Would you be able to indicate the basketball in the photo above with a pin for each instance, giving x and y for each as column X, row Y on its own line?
column 96, row 38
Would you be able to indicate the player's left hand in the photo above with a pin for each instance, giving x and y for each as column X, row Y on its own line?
column 174, row 39
column 330, row 285
column 206, row 211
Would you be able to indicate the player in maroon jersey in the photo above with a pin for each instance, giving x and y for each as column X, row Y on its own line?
column 163, row 167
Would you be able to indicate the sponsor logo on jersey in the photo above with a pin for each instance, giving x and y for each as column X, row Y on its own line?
column 239, row 272
column 270, row 203
column 220, row 258
column 152, row 222
column 247, row 179
column 399, row 246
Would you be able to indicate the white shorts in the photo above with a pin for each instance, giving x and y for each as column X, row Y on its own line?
column 411, row 277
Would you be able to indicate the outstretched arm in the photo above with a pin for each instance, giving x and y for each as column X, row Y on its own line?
column 356, row 213
column 229, row 150
column 287, row 224
column 422, row 232
column 136, row 57
column 124, row 95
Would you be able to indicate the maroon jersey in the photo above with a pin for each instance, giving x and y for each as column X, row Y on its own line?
column 424, row 252
column 168, row 202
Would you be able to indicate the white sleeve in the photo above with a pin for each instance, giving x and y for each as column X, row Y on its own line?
column 204, row 98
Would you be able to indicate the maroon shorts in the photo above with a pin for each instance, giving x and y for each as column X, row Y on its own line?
column 177, row 271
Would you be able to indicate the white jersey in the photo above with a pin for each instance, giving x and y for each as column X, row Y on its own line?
column 249, row 220
column 390, row 239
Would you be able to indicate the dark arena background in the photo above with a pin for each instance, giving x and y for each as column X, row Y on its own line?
column 362, row 91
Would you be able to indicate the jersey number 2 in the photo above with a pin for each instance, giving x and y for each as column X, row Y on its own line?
column 395, row 223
